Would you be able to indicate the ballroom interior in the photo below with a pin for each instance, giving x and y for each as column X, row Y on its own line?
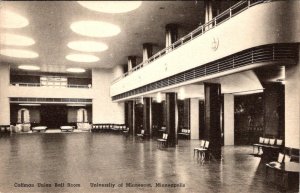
column 199, row 96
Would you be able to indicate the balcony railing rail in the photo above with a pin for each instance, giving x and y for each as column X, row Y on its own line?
column 51, row 86
column 219, row 19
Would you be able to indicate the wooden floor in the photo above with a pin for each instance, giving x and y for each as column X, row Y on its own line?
column 107, row 159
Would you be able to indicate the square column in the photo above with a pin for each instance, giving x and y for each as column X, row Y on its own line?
column 212, row 104
column 4, row 99
column 131, row 116
column 292, row 108
column 194, row 119
column 228, row 119
column 171, row 119
column 147, row 116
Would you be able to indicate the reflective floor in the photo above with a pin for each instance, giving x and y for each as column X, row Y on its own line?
column 102, row 160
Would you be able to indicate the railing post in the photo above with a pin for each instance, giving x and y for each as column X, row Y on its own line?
column 215, row 21
column 230, row 12
column 249, row 3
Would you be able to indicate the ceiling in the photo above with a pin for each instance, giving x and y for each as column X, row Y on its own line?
column 49, row 27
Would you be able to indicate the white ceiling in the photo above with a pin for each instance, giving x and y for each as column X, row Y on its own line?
column 49, row 26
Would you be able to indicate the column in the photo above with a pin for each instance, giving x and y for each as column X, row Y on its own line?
column 228, row 119
column 212, row 93
column 147, row 51
column 194, row 118
column 131, row 117
column 208, row 12
column 147, row 116
column 171, row 34
column 4, row 99
column 118, row 71
column 292, row 109
column 131, row 62
column 171, row 119
column 104, row 110
column 274, row 109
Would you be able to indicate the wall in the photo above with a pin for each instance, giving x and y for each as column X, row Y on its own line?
column 292, row 109
column 4, row 100
column 268, row 25
column 104, row 110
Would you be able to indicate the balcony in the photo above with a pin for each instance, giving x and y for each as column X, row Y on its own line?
column 227, row 34
column 22, row 84
column 54, row 91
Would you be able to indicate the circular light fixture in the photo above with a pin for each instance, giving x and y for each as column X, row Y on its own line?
column 19, row 53
column 82, row 58
column 10, row 19
column 95, row 28
column 76, row 70
column 15, row 40
column 28, row 67
column 111, row 6
column 87, row 46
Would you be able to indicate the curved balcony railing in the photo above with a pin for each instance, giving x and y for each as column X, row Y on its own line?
column 51, row 86
column 224, row 16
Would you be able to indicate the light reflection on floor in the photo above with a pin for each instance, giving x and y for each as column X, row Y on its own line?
column 86, row 158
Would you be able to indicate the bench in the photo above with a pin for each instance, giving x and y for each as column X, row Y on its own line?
column 67, row 128
column 39, row 128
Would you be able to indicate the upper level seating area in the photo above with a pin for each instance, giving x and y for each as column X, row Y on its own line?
column 202, row 29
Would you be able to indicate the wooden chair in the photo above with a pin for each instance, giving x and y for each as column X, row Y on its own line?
column 163, row 141
column 203, row 151
column 202, row 142
column 276, row 165
column 259, row 144
column 141, row 135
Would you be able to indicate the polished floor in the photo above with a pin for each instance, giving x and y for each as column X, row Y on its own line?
column 105, row 159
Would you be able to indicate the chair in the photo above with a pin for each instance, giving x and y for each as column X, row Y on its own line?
column 126, row 131
column 277, row 164
column 141, row 135
column 202, row 142
column 259, row 144
column 202, row 151
column 279, row 142
column 163, row 140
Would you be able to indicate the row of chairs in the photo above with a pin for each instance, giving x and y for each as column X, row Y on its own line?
column 108, row 127
column 202, row 150
column 267, row 142
column 5, row 128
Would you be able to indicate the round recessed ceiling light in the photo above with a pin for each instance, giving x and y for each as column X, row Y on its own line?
column 111, row 6
column 87, row 46
column 18, row 53
column 15, row 40
column 82, row 58
column 10, row 19
column 28, row 67
column 76, row 70
column 95, row 28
